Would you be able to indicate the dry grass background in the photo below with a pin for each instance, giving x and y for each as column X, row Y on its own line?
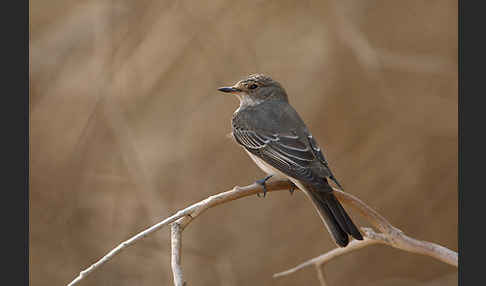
column 127, row 127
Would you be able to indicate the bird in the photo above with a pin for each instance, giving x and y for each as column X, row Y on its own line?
column 276, row 138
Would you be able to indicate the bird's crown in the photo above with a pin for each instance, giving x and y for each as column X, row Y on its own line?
column 256, row 79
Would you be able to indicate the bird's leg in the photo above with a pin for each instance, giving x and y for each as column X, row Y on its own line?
column 262, row 183
column 292, row 187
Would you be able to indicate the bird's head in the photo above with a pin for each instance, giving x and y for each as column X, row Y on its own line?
column 256, row 89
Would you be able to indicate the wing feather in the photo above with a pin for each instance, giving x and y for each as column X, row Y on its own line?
column 317, row 152
column 287, row 153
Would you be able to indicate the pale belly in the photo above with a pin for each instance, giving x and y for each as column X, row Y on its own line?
column 273, row 171
column 266, row 167
column 270, row 170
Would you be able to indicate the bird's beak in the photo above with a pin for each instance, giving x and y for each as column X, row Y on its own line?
column 229, row 89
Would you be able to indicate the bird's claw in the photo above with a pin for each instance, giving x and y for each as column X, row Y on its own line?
column 292, row 188
column 262, row 182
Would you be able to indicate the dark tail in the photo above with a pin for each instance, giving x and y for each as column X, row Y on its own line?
column 334, row 216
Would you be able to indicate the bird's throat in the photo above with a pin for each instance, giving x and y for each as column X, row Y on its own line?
column 246, row 101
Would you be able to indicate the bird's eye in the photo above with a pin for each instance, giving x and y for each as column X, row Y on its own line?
column 253, row 86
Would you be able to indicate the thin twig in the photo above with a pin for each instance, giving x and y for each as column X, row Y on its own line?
column 323, row 258
column 189, row 214
column 394, row 236
column 389, row 235
column 320, row 275
column 176, row 242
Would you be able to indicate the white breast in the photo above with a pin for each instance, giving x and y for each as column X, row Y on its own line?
column 266, row 167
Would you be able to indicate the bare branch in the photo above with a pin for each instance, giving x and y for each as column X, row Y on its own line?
column 188, row 214
column 176, row 241
column 394, row 236
column 320, row 275
column 389, row 235
column 320, row 260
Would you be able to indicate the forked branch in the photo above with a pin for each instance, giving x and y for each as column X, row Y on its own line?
column 390, row 235
column 186, row 215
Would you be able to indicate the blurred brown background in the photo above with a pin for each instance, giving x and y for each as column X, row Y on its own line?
column 127, row 127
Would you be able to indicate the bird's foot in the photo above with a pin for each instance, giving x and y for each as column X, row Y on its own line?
column 262, row 182
column 292, row 188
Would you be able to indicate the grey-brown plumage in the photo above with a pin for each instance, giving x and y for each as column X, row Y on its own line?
column 277, row 139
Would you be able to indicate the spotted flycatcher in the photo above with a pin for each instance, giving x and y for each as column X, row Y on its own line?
column 276, row 138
